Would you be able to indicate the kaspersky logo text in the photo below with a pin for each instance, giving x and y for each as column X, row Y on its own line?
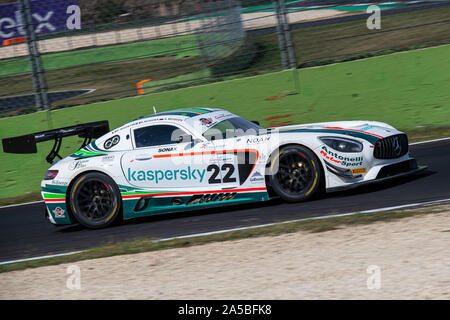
column 169, row 175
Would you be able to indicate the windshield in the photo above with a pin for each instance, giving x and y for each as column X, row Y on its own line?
column 231, row 128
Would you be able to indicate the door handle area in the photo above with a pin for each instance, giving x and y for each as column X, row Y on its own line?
column 143, row 157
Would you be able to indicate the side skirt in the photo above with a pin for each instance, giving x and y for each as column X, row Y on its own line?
column 153, row 204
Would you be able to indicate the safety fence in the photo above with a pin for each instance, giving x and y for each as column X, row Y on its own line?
column 60, row 53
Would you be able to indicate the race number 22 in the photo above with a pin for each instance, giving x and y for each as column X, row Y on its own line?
column 228, row 168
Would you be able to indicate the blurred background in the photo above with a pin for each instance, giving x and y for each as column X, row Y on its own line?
column 280, row 62
column 61, row 53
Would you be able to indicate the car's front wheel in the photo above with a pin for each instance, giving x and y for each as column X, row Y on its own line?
column 295, row 173
column 95, row 200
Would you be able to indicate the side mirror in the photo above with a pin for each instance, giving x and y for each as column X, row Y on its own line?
column 255, row 122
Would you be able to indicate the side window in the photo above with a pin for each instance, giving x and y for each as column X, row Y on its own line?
column 157, row 135
column 219, row 131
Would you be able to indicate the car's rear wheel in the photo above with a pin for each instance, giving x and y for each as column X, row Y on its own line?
column 95, row 200
column 295, row 173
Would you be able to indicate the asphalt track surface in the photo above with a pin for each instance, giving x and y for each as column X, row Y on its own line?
column 24, row 232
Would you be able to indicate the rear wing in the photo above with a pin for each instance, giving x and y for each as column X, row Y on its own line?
column 27, row 143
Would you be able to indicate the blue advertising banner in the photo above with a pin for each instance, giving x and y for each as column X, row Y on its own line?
column 48, row 16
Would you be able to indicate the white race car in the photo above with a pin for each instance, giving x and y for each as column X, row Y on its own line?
column 194, row 158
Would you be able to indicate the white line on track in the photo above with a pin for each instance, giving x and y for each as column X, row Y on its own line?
column 41, row 257
column 21, row 204
column 33, row 202
column 428, row 141
column 419, row 204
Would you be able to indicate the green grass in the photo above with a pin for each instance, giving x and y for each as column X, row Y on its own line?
column 352, row 38
column 318, row 45
column 159, row 85
column 180, row 47
column 145, row 245
column 406, row 90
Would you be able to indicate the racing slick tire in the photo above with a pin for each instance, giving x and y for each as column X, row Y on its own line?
column 95, row 200
column 295, row 173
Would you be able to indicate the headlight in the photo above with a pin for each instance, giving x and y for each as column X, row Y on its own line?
column 342, row 144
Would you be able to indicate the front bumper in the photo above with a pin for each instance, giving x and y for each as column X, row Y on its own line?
column 57, row 214
column 392, row 171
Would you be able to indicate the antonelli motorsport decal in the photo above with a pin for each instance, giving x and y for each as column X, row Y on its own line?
column 48, row 16
column 342, row 160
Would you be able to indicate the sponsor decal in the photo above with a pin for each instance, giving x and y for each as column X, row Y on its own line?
column 359, row 170
column 206, row 121
column 78, row 164
column 221, row 159
column 174, row 119
column 157, row 176
column 134, row 195
column 368, row 127
column 108, row 158
column 167, row 149
column 220, row 116
column 59, row 183
column 59, row 212
column 48, row 17
column 256, row 177
column 258, row 139
column 340, row 159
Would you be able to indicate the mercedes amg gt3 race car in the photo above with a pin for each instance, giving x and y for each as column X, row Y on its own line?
column 194, row 158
